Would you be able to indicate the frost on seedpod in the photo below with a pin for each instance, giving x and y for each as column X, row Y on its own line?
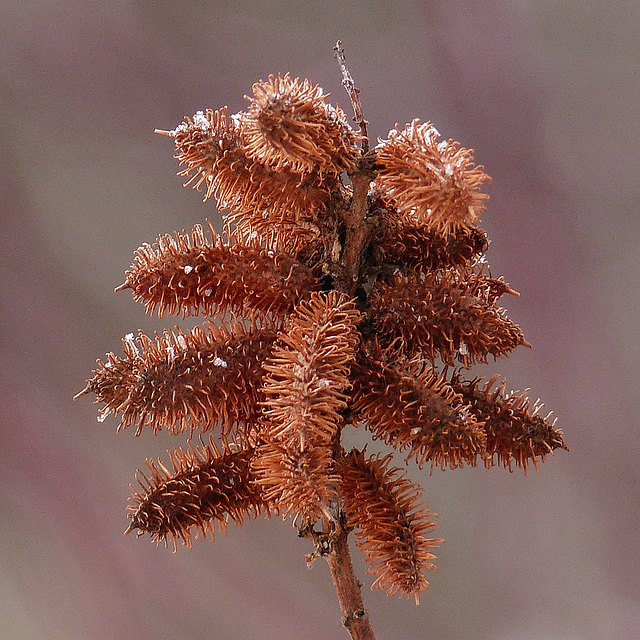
column 102, row 416
column 179, row 129
column 200, row 120
column 130, row 342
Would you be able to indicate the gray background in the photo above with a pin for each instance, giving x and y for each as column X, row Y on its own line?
column 548, row 95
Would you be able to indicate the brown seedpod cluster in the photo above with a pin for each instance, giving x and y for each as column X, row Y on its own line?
column 430, row 180
column 348, row 289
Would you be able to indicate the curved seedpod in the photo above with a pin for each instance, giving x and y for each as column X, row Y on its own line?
column 436, row 182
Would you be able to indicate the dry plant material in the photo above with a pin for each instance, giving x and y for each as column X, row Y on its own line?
column 384, row 508
column 329, row 303
column 205, row 487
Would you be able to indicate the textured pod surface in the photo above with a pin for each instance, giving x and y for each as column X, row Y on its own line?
column 447, row 316
column 436, row 182
column 516, row 433
column 210, row 146
column 205, row 489
column 408, row 243
column 201, row 142
column 391, row 523
column 298, row 483
column 307, row 373
column 290, row 125
column 183, row 381
column 412, row 407
column 191, row 274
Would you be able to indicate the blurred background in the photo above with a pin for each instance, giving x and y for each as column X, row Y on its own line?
column 548, row 95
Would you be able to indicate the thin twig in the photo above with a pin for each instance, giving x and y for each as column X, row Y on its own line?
column 353, row 91
column 357, row 228
column 333, row 545
column 354, row 616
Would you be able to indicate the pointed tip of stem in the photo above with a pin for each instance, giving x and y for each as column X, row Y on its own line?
column 84, row 392
column 512, row 292
column 123, row 286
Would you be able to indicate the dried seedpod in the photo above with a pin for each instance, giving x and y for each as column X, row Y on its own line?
column 391, row 522
column 193, row 274
column 184, row 381
column 447, row 315
column 297, row 482
column 433, row 182
column 307, row 373
column 517, row 435
column 289, row 125
column 211, row 147
column 413, row 408
column 329, row 303
column 205, row 488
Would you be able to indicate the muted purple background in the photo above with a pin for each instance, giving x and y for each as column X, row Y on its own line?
column 548, row 95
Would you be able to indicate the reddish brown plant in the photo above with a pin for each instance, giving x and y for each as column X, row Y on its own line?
column 330, row 303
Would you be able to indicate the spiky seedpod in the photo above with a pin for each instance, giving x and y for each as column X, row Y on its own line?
column 183, row 381
column 435, row 183
column 289, row 125
column 444, row 315
column 205, row 488
column 385, row 508
column 307, row 373
column 210, row 145
column 193, row 274
column 425, row 250
column 412, row 407
column 516, row 433
column 201, row 143
column 298, row 483
column 306, row 377
column 352, row 304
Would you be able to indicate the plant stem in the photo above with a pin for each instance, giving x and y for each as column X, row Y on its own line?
column 353, row 91
column 354, row 616
column 356, row 227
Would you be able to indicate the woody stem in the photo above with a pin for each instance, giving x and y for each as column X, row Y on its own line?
column 356, row 227
column 354, row 616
